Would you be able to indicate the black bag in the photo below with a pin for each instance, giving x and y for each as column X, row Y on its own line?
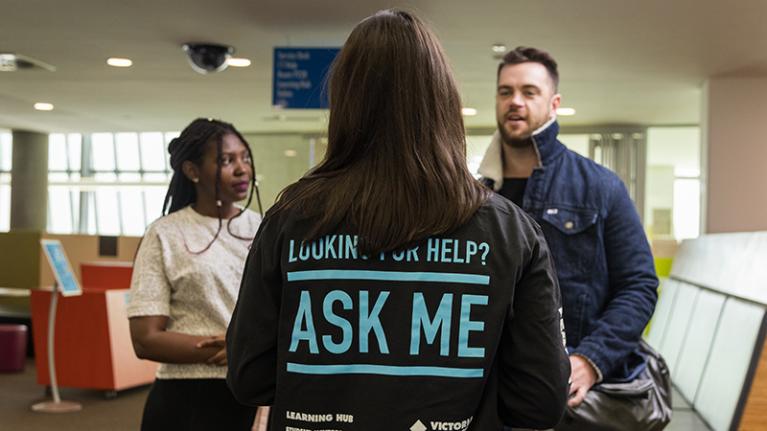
column 643, row 404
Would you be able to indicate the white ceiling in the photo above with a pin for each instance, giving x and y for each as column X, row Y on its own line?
column 621, row 61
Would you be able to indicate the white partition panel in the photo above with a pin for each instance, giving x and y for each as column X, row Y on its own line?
column 731, row 355
column 678, row 324
column 731, row 263
column 697, row 343
column 659, row 323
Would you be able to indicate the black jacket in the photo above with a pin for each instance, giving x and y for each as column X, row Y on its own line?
column 461, row 332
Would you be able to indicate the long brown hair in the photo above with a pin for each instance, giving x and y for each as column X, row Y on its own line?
column 395, row 169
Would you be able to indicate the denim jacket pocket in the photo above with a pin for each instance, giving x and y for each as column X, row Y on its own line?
column 570, row 221
column 572, row 237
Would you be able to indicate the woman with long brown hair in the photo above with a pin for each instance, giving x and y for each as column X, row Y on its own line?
column 388, row 289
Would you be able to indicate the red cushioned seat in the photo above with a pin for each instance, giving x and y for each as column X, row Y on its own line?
column 13, row 348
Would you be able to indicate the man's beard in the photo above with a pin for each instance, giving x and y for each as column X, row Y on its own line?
column 513, row 142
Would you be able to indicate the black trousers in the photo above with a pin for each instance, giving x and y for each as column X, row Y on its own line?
column 194, row 405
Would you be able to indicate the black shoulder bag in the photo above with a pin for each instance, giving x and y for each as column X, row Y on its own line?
column 643, row 404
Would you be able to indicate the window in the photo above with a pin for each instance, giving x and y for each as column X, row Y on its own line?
column 64, row 163
column 6, row 161
column 107, row 183
column 576, row 142
column 673, row 183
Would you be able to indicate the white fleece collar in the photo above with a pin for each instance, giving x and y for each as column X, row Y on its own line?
column 492, row 163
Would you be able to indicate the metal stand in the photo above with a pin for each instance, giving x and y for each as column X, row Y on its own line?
column 57, row 405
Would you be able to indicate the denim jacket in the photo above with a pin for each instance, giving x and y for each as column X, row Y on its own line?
column 603, row 261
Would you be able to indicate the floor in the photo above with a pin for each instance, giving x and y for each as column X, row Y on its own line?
column 19, row 391
column 684, row 417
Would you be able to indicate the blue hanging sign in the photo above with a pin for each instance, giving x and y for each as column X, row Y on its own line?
column 298, row 77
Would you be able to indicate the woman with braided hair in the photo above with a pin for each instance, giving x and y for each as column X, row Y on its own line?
column 186, row 278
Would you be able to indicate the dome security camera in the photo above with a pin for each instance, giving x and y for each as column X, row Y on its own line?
column 207, row 57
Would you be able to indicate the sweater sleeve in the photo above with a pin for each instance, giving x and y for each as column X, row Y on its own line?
column 534, row 369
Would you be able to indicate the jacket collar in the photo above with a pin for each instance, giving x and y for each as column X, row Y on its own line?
column 544, row 139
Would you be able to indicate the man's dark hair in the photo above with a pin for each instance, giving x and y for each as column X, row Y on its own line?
column 522, row 54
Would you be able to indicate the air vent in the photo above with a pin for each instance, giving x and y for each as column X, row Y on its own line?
column 10, row 62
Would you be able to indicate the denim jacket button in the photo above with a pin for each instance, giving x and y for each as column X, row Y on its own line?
column 569, row 225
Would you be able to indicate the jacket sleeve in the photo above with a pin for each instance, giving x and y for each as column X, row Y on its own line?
column 251, row 339
column 633, row 287
column 534, row 369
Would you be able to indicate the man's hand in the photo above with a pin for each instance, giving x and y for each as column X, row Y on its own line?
column 219, row 342
column 583, row 377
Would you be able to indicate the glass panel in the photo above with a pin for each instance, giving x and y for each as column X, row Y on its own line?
column 152, row 149
column 686, row 208
column 91, row 220
column 672, row 185
column 675, row 146
column 577, row 143
column 127, row 152
column 132, row 206
column 6, row 151
column 5, row 208
column 598, row 154
column 163, row 178
column 129, row 178
column 107, row 211
column 103, row 154
column 58, row 177
column 57, row 152
column 75, row 141
column 60, row 210
column 74, row 198
column 154, row 197
column 169, row 137
column 105, row 177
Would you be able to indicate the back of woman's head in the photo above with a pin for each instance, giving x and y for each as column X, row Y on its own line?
column 395, row 168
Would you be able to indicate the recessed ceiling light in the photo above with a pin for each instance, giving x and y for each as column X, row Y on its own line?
column 291, row 153
column 469, row 112
column 238, row 62
column 499, row 48
column 42, row 106
column 119, row 62
column 565, row 112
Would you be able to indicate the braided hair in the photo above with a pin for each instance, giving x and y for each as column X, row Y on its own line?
column 190, row 146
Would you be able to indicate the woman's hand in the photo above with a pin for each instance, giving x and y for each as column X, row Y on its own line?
column 218, row 342
column 152, row 341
